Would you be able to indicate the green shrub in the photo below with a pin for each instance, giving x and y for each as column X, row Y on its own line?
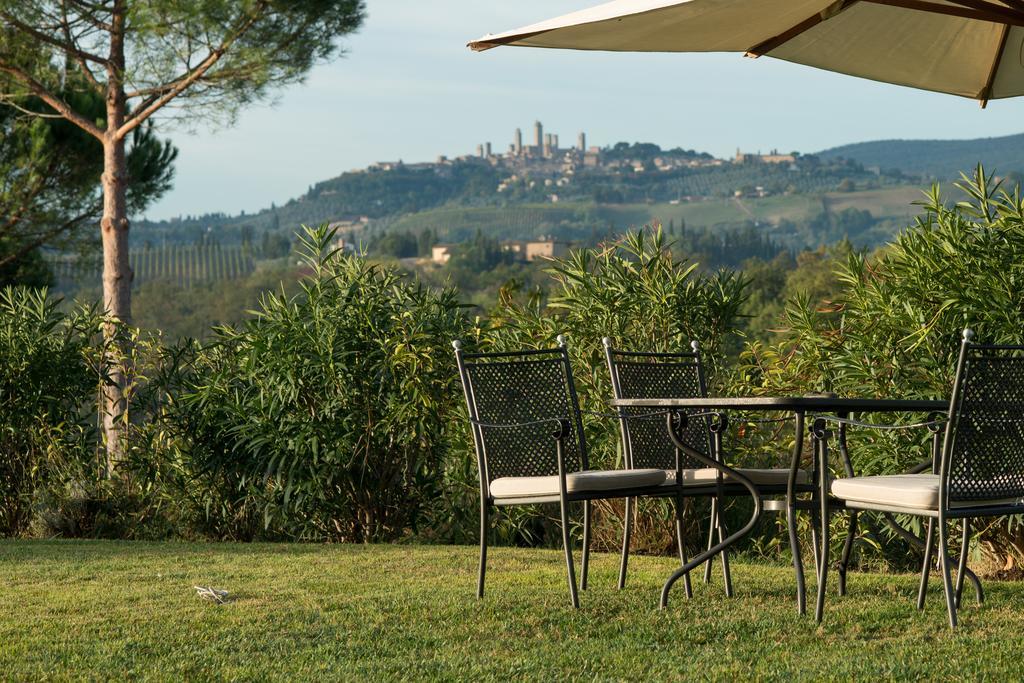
column 329, row 411
column 47, row 384
column 895, row 328
column 642, row 295
column 634, row 290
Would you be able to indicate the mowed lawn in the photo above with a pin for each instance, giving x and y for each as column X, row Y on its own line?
column 115, row 610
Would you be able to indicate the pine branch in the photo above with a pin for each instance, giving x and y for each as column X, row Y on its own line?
column 82, row 64
column 68, row 47
column 45, row 237
column 57, row 104
column 165, row 93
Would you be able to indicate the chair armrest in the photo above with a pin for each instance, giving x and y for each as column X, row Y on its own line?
column 657, row 413
column 560, row 424
column 921, row 467
column 820, row 432
column 870, row 425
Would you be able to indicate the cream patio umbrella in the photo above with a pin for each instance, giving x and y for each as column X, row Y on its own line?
column 971, row 48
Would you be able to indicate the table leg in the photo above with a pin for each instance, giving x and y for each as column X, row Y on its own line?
column 821, row 446
column 794, row 541
column 675, row 420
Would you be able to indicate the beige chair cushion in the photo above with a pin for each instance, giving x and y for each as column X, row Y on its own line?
column 918, row 491
column 701, row 477
column 773, row 477
column 708, row 475
column 577, row 482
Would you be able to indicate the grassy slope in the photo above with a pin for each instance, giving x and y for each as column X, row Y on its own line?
column 894, row 202
column 527, row 220
column 114, row 610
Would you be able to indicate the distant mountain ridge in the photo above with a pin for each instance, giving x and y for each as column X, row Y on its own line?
column 941, row 159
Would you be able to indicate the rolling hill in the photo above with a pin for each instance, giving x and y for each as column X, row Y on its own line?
column 940, row 159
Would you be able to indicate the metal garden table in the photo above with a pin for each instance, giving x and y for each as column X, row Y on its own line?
column 799, row 407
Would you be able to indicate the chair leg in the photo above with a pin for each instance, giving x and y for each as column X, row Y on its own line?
column 567, row 545
column 483, row 550
column 584, row 569
column 815, row 544
column 962, row 565
column 627, row 532
column 926, row 565
column 687, row 585
column 711, row 539
column 844, row 560
column 798, row 564
column 726, row 575
column 947, row 583
column 819, row 609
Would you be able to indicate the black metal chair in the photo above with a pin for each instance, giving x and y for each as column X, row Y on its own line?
column 530, row 447
column 979, row 471
column 646, row 444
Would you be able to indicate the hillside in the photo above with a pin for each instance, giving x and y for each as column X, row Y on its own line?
column 941, row 159
column 795, row 221
column 505, row 196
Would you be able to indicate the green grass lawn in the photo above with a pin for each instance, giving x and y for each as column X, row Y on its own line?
column 111, row 610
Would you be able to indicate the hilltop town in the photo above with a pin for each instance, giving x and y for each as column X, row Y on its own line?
column 538, row 187
column 546, row 163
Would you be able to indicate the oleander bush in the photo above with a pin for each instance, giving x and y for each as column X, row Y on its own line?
column 48, row 382
column 328, row 414
column 644, row 296
column 336, row 412
column 895, row 328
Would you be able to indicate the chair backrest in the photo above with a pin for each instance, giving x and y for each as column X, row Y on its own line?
column 983, row 452
column 645, row 437
column 520, row 387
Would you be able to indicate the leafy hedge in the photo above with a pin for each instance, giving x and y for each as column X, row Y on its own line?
column 895, row 327
column 47, row 381
column 336, row 413
column 330, row 409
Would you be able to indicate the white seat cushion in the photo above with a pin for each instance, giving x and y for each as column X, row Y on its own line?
column 917, row 491
column 577, row 482
column 701, row 477
column 708, row 475
column 773, row 476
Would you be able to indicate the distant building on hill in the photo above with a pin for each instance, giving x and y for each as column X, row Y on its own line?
column 531, row 250
column 772, row 158
column 548, row 248
column 441, row 253
column 349, row 223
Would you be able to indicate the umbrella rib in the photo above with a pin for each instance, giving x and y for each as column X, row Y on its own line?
column 810, row 22
column 487, row 44
column 992, row 13
column 987, row 90
column 986, row 6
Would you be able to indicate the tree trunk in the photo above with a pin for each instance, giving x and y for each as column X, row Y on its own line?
column 117, row 280
column 117, row 272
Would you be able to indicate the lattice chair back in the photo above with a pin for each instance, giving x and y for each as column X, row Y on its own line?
column 522, row 387
column 984, row 447
column 657, row 375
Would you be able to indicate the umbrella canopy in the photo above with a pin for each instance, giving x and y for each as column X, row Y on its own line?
column 972, row 48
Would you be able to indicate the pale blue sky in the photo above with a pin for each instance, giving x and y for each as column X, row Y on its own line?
column 410, row 89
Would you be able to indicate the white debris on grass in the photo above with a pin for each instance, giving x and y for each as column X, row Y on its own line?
column 212, row 594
